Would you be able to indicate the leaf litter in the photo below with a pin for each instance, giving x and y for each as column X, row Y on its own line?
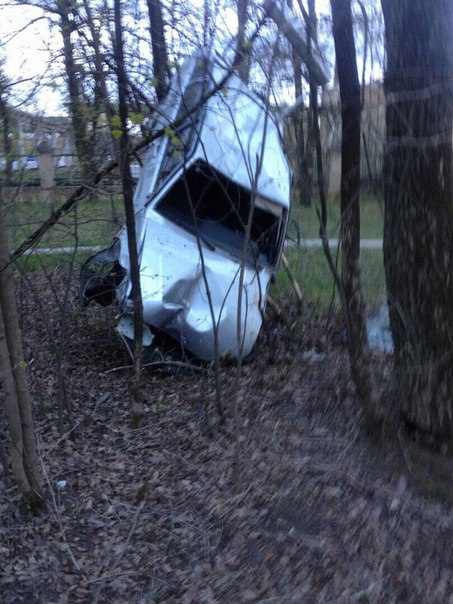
column 152, row 515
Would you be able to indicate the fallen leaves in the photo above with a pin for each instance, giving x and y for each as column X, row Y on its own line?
column 150, row 515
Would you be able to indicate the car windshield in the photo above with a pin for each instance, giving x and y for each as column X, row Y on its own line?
column 206, row 203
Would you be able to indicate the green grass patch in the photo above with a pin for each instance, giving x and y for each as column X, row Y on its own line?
column 90, row 222
column 373, row 279
column 310, row 268
column 371, row 218
column 47, row 262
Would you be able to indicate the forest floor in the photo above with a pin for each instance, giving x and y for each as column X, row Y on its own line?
column 315, row 511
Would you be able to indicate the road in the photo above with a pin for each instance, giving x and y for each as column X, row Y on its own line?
column 367, row 244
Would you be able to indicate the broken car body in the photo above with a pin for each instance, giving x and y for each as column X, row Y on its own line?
column 211, row 203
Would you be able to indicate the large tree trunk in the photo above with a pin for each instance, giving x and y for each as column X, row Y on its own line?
column 418, row 228
column 350, row 193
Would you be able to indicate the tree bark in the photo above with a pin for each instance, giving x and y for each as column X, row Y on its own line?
column 6, row 129
column 16, row 447
column 299, row 129
column 24, row 458
column 241, row 50
column 301, row 185
column 308, row 158
column 76, row 104
column 159, row 48
column 128, row 193
column 348, row 79
column 418, row 226
column 101, row 94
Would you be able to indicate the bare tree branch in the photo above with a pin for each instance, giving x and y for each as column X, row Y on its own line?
column 83, row 190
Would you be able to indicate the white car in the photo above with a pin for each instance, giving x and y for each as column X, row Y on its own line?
column 211, row 208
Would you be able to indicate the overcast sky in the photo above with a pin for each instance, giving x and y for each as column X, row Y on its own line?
column 27, row 47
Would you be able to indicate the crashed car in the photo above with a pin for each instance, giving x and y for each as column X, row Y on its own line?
column 211, row 209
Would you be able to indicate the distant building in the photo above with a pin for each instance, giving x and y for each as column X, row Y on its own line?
column 28, row 130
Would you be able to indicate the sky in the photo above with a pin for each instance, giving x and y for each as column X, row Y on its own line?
column 26, row 53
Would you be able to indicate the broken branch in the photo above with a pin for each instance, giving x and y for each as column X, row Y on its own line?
column 292, row 279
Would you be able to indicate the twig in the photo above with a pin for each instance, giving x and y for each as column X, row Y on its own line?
column 120, row 556
column 158, row 364
column 405, row 455
column 273, row 304
column 64, row 436
column 128, row 348
column 55, row 509
column 233, row 501
column 292, row 278
column 4, row 457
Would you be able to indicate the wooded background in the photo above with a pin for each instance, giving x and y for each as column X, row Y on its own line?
column 381, row 127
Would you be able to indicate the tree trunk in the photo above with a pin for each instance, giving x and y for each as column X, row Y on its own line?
column 308, row 158
column 128, row 192
column 350, row 196
column 299, row 130
column 6, row 128
column 159, row 48
column 418, row 226
column 24, row 458
column 244, row 53
column 16, row 447
column 101, row 95
column 301, row 184
column 78, row 112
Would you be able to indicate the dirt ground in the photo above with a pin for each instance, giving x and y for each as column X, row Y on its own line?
column 313, row 511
